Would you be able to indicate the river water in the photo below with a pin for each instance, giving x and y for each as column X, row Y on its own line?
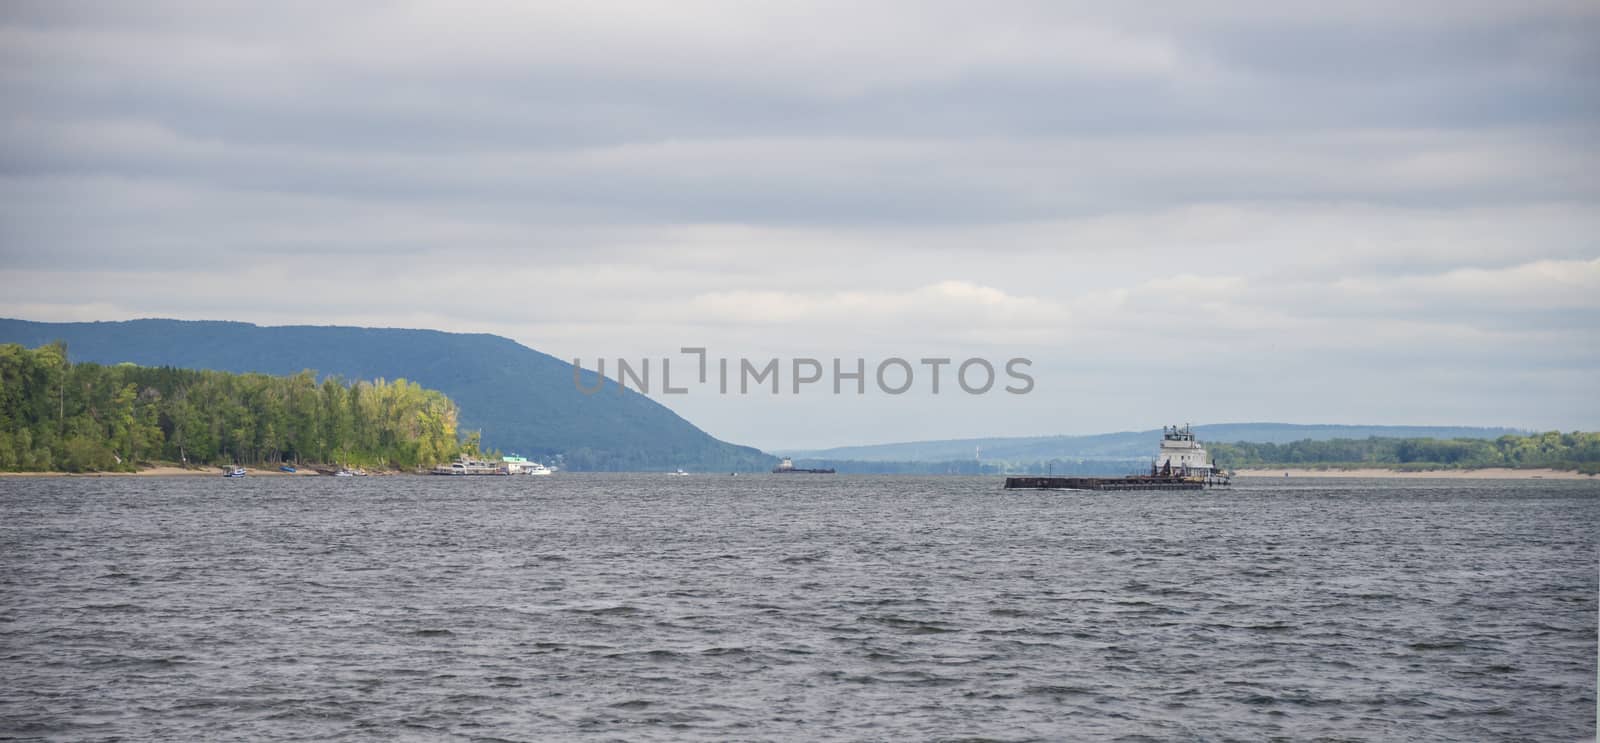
column 647, row 607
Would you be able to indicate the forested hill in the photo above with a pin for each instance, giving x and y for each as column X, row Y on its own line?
column 1126, row 444
column 522, row 400
column 59, row 416
column 1576, row 450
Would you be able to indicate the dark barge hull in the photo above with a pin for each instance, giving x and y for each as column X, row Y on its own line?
column 803, row 471
column 1105, row 483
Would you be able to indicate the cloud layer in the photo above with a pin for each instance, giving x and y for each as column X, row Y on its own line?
column 1261, row 211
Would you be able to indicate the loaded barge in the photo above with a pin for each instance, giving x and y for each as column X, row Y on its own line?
column 786, row 467
column 1182, row 464
column 1131, row 482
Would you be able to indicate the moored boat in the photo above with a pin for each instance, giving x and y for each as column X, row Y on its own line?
column 470, row 467
column 515, row 465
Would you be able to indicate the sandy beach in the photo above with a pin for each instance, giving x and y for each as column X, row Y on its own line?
column 1490, row 473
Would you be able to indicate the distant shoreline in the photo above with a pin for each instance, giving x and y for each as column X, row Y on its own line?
column 1487, row 473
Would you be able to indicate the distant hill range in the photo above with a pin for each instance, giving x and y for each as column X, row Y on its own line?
column 524, row 401
column 1124, row 446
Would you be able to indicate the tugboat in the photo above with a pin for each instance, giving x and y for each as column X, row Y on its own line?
column 1180, row 464
column 787, row 467
column 1182, row 454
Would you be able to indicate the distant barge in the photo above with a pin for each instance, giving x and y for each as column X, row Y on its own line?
column 786, row 467
column 1181, row 465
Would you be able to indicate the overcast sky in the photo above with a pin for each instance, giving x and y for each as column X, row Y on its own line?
column 1358, row 212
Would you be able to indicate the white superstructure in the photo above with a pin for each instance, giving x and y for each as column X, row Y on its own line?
column 1182, row 452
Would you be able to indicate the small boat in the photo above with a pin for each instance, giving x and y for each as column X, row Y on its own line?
column 287, row 468
column 679, row 473
column 344, row 473
column 235, row 472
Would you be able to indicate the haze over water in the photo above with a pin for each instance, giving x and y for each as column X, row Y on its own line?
column 646, row 607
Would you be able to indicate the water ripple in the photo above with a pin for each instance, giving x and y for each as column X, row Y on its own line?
column 830, row 608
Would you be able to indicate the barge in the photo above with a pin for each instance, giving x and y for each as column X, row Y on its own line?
column 786, row 467
column 1181, row 464
column 1131, row 482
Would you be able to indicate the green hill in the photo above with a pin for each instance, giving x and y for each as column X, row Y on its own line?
column 56, row 415
column 1128, row 444
column 1575, row 450
column 523, row 400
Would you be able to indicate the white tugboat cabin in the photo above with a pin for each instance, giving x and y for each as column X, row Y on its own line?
column 1181, row 454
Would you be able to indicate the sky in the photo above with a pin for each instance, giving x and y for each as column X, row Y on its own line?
column 1360, row 212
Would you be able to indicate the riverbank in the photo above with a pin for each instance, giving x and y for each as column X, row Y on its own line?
column 168, row 470
column 1488, row 473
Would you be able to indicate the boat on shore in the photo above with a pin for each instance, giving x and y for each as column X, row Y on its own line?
column 1180, row 464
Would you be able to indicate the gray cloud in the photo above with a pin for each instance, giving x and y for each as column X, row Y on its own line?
column 1361, row 213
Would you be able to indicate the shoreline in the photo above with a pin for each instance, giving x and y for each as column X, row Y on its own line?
column 1487, row 473
column 175, row 471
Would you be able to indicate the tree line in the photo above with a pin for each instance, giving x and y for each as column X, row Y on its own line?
column 59, row 416
column 1563, row 451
